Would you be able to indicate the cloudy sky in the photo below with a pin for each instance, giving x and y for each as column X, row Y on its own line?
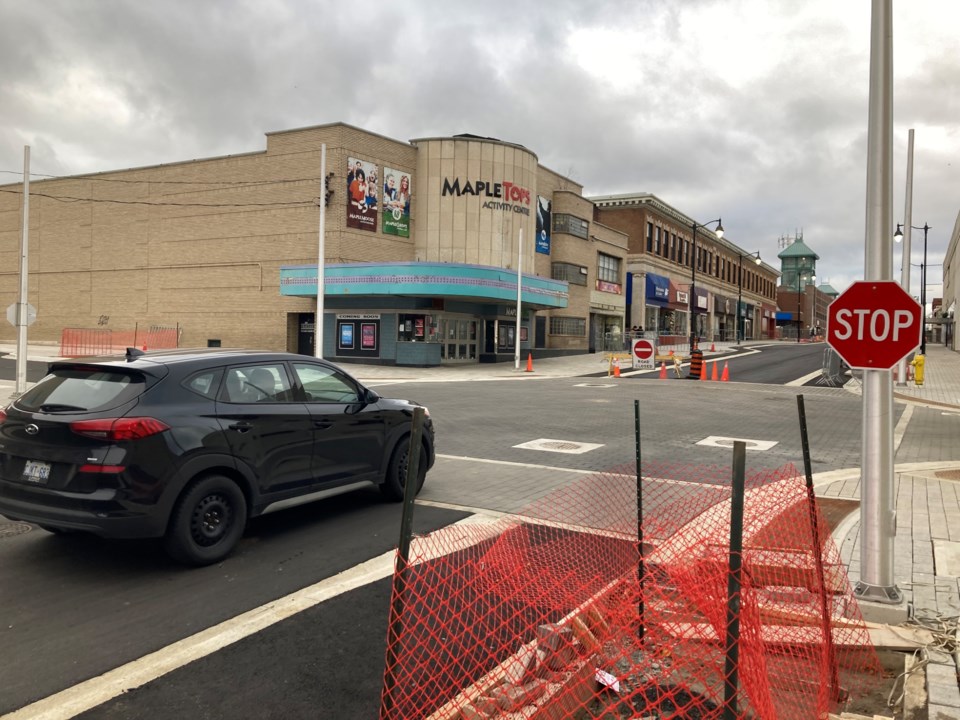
column 753, row 110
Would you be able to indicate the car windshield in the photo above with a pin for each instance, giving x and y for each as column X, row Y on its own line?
column 80, row 390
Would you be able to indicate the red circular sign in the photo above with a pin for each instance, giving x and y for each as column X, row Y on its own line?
column 874, row 324
column 643, row 349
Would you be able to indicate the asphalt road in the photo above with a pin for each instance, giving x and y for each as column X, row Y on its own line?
column 73, row 608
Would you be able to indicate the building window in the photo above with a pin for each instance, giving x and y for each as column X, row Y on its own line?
column 656, row 241
column 673, row 247
column 561, row 325
column 571, row 224
column 649, row 237
column 608, row 268
column 573, row 274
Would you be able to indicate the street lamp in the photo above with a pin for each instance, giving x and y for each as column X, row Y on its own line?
column 813, row 279
column 693, row 277
column 740, row 288
column 898, row 236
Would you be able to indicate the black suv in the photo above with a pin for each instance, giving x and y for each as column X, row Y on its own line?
column 189, row 444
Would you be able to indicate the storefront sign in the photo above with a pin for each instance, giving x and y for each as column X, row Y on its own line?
column 358, row 316
column 683, row 297
column 609, row 287
column 503, row 195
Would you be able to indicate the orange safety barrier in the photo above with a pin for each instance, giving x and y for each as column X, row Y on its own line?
column 551, row 614
column 696, row 364
column 78, row 342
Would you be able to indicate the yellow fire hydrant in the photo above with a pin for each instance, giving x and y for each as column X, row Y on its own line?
column 917, row 365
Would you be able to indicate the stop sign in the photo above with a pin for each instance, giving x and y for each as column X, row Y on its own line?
column 643, row 352
column 874, row 324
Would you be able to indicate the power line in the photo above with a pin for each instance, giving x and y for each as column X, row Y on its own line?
column 71, row 199
column 164, row 182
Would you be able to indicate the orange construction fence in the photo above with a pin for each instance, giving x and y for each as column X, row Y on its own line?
column 79, row 342
column 555, row 614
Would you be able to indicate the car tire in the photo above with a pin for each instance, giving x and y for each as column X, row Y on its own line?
column 392, row 487
column 207, row 521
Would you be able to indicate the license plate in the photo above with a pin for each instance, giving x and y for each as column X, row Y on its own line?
column 36, row 471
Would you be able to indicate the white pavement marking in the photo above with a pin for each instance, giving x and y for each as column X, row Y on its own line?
column 96, row 691
column 805, row 379
column 901, row 428
column 569, row 447
column 512, row 464
column 727, row 442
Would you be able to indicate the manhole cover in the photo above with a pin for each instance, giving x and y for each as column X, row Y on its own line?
column 948, row 474
column 9, row 529
column 560, row 446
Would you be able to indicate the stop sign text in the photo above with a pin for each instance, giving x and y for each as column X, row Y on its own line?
column 877, row 325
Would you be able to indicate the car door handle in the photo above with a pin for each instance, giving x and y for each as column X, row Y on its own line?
column 241, row 427
column 322, row 424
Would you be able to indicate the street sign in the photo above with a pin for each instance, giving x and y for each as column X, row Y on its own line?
column 874, row 324
column 12, row 314
column 643, row 354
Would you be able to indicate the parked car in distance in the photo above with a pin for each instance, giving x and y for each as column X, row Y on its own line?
column 187, row 445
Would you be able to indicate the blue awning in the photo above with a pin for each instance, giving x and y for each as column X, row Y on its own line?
column 658, row 290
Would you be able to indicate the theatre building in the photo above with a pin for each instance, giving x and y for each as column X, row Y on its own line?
column 678, row 281
column 423, row 246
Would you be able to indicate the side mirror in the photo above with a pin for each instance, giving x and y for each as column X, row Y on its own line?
column 369, row 396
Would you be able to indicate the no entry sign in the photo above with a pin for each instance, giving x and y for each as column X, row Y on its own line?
column 874, row 324
column 644, row 353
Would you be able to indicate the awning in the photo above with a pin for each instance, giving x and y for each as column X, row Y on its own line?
column 722, row 304
column 658, row 290
column 679, row 299
column 701, row 302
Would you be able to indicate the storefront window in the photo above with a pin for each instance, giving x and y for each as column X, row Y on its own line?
column 415, row 328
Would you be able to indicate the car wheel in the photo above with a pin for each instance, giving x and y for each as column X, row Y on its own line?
column 207, row 521
column 392, row 487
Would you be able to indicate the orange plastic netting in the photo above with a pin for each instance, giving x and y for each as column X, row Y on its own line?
column 543, row 614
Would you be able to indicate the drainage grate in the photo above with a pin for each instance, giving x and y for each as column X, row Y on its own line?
column 727, row 442
column 561, row 446
column 9, row 529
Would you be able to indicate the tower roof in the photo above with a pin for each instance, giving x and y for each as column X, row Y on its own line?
column 797, row 249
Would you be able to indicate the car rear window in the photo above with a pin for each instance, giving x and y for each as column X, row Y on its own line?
column 82, row 390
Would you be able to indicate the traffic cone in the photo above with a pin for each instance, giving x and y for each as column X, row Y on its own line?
column 529, row 362
column 703, row 373
column 144, row 348
column 616, row 368
column 671, row 352
column 663, row 371
column 726, row 373
column 713, row 348
column 713, row 375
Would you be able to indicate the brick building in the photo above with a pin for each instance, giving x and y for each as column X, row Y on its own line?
column 421, row 255
column 661, row 273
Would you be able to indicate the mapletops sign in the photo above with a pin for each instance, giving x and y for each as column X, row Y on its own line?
column 497, row 195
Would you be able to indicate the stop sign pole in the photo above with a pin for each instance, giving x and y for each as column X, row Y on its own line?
column 878, row 522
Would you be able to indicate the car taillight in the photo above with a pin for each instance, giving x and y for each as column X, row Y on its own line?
column 117, row 429
column 3, row 416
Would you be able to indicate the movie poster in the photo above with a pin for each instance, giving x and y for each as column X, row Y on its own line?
column 362, row 195
column 397, row 186
column 543, row 225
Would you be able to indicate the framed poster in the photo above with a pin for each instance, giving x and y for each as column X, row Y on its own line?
column 346, row 336
column 368, row 336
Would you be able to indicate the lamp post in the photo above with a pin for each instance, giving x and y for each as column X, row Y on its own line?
column 898, row 235
column 813, row 279
column 740, row 289
column 693, row 275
